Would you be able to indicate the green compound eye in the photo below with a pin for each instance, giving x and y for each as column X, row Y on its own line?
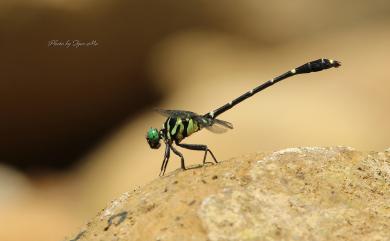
column 153, row 134
column 153, row 138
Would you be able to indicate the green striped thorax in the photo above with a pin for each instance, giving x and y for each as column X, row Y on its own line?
column 153, row 137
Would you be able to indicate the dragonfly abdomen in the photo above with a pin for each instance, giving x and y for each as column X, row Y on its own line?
column 179, row 128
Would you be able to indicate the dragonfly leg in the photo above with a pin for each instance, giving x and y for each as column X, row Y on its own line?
column 181, row 157
column 166, row 159
column 197, row 147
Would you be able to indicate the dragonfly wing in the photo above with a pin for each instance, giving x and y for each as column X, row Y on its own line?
column 219, row 126
column 176, row 113
column 183, row 114
column 216, row 129
column 213, row 125
column 223, row 123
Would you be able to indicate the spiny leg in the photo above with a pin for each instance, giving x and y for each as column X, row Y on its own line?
column 181, row 157
column 197, row 147
column 166, row 159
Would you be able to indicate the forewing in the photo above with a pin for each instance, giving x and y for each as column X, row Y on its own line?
column 223, row 123
column 213, row 125
column 176, row 113
column 216, row 129
column 219, row 126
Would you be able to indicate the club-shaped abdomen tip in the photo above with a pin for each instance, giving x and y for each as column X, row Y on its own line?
column 335, row 63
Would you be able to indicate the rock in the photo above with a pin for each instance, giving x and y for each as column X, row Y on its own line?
column 308, row 193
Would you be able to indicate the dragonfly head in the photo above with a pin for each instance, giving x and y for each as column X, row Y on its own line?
column 153, row 137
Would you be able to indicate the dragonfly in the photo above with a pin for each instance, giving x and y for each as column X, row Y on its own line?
column 180, row 124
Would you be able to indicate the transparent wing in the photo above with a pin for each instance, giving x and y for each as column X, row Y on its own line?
column 213, row 125
column 216, row 129
column 183, row 114
column 176, row 113
column 223, row 123
column 219, row 126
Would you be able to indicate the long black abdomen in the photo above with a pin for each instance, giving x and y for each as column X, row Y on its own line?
column 313, row 66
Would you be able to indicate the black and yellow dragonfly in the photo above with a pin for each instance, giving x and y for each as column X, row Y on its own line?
column 181, row 124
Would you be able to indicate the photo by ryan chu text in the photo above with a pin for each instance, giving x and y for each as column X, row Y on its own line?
column 71, row 43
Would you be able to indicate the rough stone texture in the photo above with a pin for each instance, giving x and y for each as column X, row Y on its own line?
column 308, row 193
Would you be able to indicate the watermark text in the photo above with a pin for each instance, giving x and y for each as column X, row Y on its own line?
column 72, row 43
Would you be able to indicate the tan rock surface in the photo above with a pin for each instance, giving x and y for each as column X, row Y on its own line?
column 308, row 193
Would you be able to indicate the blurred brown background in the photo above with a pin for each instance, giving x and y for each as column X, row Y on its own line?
column 73, row 120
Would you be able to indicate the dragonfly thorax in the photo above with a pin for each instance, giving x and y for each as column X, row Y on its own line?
column 176, row 128
column 181, row 124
